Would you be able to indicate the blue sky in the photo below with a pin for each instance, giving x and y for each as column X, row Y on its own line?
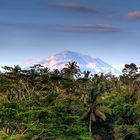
column 35, row 29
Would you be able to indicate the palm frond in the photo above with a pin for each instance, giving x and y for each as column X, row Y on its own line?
column 100, row 115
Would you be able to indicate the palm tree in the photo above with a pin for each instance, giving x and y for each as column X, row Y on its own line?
column 93, row 110
column 86, row 75
column 71, row 70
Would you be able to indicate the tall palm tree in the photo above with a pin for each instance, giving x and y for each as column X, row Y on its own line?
column 71, row 70
column 93, row 110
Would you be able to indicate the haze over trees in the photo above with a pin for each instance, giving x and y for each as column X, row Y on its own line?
column 39, row 104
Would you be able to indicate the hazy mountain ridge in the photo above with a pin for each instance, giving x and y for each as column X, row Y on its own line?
column 85, row 62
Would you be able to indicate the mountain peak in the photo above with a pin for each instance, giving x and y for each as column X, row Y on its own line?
column 68, row 52
column 85, row 62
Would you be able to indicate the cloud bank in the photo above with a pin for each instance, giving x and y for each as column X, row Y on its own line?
column 75, row 7
column 94, row 27
column 62, row 27
column 134, row 15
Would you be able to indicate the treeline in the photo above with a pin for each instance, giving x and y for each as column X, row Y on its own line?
column 38, row 104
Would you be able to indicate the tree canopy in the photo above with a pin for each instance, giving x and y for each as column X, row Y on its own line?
column 39, row 104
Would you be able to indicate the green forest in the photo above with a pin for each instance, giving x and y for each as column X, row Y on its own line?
column 39, row 104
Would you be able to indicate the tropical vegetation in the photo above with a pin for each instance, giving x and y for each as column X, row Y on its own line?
column 67, row 104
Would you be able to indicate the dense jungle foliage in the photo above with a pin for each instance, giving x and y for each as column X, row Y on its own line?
column 38, row 104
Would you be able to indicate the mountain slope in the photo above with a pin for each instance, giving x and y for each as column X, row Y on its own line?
column 85, row 62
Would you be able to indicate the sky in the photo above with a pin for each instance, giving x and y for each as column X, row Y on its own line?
column 31, row 30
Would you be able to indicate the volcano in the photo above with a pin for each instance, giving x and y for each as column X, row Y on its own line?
column 85, row 62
